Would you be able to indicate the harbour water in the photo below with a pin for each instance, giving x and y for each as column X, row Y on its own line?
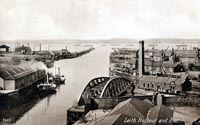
column 78, row 72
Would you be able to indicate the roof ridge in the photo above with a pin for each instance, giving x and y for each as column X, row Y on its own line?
column 136, row 107
column 119, row 115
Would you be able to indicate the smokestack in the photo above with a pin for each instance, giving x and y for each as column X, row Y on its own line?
column 141, row 58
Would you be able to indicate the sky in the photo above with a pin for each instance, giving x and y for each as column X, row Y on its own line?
column 98, row 19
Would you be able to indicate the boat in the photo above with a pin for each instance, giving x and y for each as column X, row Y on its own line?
column 59, row 79
column 49, row 87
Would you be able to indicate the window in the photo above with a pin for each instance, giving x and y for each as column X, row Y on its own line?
column 152, row 85
column 144, row 85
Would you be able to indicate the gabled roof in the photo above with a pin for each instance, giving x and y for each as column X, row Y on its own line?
column 160, row 112
column 10, row 72
column 6, row 75
column 148, row 78
column 133, row 107
column 149, row 102
column 162, row 79
column 156, row 79
column 4, row 46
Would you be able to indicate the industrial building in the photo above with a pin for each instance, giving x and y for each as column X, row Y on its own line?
column 14, row 77
column 161, row 84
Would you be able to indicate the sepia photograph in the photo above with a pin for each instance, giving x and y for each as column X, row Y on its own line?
column 99, row 62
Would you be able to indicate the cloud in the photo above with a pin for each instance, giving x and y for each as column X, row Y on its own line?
column 88, row 19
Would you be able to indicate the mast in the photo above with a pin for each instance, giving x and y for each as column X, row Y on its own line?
column 59, row 71
column 47, row 78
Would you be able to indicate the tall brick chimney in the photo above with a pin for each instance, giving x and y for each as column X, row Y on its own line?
column 141, row 58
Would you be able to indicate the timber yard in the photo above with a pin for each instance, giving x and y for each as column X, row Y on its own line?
column 141, row 84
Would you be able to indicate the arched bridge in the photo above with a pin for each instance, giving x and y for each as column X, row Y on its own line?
column 103, row 87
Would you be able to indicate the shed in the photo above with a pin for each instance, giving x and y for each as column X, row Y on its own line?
column 5, row 47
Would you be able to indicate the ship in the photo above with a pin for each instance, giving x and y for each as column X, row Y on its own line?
column 65, row 54
column 58, row 78
column 46, row 88
column 123, row 63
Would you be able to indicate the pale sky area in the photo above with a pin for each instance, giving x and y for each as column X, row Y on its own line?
column 98, row 19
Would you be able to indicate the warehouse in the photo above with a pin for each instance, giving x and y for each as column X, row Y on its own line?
column 16, row 77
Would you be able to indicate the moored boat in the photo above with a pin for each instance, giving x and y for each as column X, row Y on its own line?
column 45, row 89
column 49, row 87
column 58, row 78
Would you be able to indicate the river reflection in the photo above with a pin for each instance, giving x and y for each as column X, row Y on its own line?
column 78, row 72
column 11, row 115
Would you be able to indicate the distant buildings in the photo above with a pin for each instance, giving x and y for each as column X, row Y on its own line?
column 124, row 61
column 164, row 84
column 159, row 67
column 23, row 49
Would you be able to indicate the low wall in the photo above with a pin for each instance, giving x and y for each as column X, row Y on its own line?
column 182, row 101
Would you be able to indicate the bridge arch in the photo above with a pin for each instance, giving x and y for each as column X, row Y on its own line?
column 105, row 87
column 93, row 88
column 115, row 87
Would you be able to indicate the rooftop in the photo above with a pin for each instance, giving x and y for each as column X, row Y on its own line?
column 15, row 71
column 157, row 79
column 4, row 46
column 132, row 107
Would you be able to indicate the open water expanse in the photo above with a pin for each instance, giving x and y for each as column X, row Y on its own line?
column 78, row 72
